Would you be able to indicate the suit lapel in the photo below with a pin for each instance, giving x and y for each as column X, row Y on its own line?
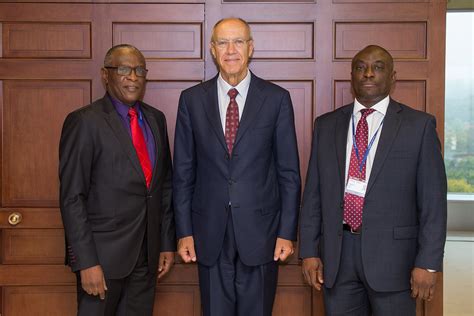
column 123, row 137
column 253, row 103
column 342, row 127
column 389, row 132
column 211, row 107
column 151, row 120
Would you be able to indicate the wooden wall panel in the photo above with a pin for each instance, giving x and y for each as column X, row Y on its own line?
column 165, row 96
column 46, row 40
column 39, row 300
column 283, row 40
column 34, row 112
column 159, row 40
column 404, row 40
column 303, row 45
column 32, row 246
column 292, row 300
column 409, row 92
column 301, row 93
column 177, row 300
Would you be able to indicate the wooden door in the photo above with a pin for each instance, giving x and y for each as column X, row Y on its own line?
column 50, row 56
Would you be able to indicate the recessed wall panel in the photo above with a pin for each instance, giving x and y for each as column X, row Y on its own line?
column 283, row 40
column 46, row 40
column 301, row 93
column 292, row 300
column 404, row 40
column 177, row 300
column 156, row 40
column 33, row 246
column 39, row 300
column 164, row 95
column 33, row 115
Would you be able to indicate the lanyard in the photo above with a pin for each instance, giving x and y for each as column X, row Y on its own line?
column 354, row 143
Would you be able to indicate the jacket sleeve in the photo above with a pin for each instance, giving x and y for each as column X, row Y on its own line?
column 76, row 155
column 311, row 216
column 168, row 232
column 431, row 201
column 288, row 169
column 184, row 170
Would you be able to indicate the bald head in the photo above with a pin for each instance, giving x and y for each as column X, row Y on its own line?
column 234, row 21
column 372, row 75
column 374, row 49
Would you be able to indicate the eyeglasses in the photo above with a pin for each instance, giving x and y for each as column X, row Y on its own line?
column 224, row 43
column 126, row 70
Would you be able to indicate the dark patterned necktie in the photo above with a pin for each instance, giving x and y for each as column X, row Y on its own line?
column 231, row 120
column 353, row 204
column 140, row 145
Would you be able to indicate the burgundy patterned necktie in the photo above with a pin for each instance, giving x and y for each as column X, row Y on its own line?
column 231, row 120
column 353, row 204
column 139, row 143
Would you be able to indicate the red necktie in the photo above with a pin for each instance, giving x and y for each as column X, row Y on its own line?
column 140, row 145
column 231, row 120
column 353, row 204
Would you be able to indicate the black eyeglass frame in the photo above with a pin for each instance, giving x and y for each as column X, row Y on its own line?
column 129, row 70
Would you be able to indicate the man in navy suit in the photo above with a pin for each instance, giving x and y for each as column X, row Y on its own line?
column 236, row 183
column 374, row 205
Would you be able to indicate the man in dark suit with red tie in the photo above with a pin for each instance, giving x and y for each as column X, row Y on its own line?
column 374, row 205
column 115, row 193
column 236, row 181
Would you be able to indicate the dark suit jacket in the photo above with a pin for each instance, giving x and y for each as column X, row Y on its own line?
column 261, row 179
column 404, row 215
column 105, row 204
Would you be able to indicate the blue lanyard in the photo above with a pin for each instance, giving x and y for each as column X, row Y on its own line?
column 354, row 143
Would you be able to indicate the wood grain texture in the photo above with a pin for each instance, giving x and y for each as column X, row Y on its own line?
column 46, row 40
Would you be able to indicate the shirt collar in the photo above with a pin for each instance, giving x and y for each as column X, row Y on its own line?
column 242, row 86
column 122, row 108
column 380, row 106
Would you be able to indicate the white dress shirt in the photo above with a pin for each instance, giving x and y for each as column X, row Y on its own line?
column 374, row 120
column 223, row 98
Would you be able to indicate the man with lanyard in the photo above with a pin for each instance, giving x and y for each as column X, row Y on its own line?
column 374, row 205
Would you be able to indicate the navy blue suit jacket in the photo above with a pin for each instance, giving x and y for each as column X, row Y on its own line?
column 404, row 215
column 261, row 179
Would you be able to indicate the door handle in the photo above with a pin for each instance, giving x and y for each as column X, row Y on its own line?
column 15, row 218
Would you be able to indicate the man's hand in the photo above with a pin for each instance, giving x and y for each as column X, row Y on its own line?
column 313, row 272
column 186, row 249
column 283, row 249
column 93, row 281
column 165, row 263
column 423, row 284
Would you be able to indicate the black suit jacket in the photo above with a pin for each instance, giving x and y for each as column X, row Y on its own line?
column 404, row 215
column 261, row 179
column 105, row 204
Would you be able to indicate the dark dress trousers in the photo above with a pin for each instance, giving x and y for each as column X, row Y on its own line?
column 404, row 212
column 257, row 188
column 110, row 216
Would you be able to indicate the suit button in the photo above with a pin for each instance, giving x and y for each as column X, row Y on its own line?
column 231, row 181
column 226, row 156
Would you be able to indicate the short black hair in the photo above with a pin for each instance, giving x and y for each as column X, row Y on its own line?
column 109, row 56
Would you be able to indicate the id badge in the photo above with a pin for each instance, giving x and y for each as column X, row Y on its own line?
column 356, row 187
